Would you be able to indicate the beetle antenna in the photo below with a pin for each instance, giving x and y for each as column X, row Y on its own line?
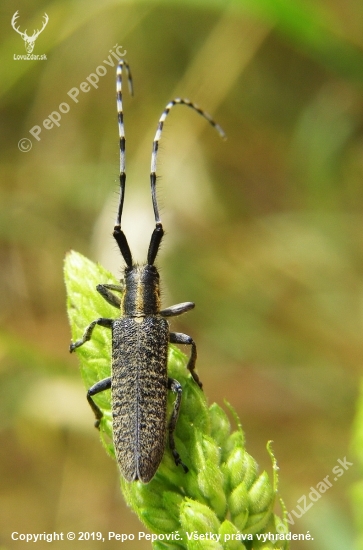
column 158, row 231
column 118, row 233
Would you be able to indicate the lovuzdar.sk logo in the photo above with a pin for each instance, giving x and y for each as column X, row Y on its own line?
column 29, row 41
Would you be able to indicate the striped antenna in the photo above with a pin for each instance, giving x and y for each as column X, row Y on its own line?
column 121, row 131
column 177, row 101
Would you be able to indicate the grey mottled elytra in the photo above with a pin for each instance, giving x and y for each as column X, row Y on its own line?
column 139, row 379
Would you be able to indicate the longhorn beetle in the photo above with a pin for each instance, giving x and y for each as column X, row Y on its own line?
column 140, row 336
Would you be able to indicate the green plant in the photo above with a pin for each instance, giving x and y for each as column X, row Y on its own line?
column 223, row 502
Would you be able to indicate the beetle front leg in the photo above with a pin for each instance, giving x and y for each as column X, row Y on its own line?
column 180, row 338
column 102, row 321
column 110, row 297
column 102, row 385
column 175, row 387
column 178, row 309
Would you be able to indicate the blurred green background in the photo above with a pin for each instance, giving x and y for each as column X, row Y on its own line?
column 264, row 233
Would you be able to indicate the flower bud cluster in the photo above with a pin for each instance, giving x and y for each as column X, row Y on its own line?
column 222, row 494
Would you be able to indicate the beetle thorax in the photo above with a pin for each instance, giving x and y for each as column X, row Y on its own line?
column 142, row 291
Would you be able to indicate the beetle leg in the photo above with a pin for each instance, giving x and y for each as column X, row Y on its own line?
column 180, row 338
column 175, row 387
column 102, row 385
column 178, row 309
column 110, row 297
column 102, row 321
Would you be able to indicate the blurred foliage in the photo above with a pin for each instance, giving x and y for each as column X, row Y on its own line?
column 357, row 448
column 264, row 233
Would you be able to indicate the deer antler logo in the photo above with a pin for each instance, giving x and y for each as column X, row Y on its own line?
column 29, row 40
